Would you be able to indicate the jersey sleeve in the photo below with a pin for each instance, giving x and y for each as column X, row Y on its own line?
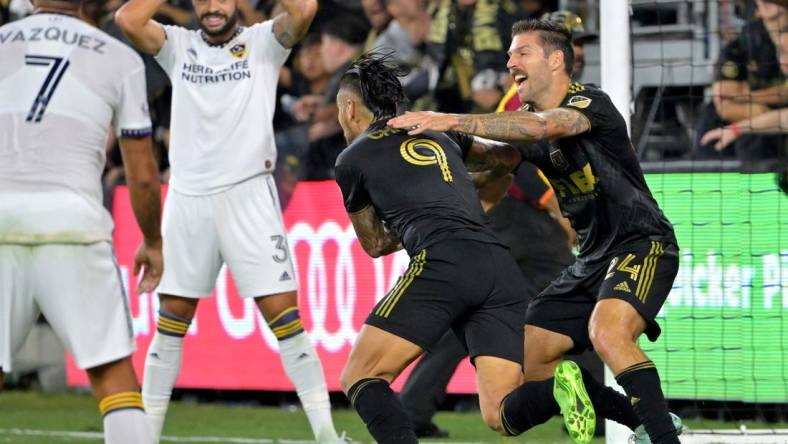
column 168, row 54
column 131, row 117
column 464, row 141
column 732, row 62
column 267, row 46
column 595, row 106
column 351, row 182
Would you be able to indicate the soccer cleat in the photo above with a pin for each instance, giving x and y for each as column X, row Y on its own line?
column 641, row 437
column 570, row 393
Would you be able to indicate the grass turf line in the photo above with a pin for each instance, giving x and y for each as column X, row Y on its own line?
column 79, row 413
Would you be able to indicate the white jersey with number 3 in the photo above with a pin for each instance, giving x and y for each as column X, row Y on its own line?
column 62, row 84
column 222, row 106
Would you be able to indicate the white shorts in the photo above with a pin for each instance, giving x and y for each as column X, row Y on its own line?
column 79, row 291
column 241, row 226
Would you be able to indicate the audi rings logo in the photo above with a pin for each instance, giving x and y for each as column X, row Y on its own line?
column 319, row 272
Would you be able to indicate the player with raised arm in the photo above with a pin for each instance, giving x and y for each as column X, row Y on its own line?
column 63, row 85
column 222, row 204
column 628, row 252
column 416, row 193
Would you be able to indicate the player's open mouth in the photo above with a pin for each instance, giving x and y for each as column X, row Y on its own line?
column 213, row 20
column 520, row 78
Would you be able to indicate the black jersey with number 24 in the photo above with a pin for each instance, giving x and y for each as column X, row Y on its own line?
column 418, row 185
column 598, row 180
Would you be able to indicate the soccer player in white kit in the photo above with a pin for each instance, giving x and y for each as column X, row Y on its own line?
column 223, row 205
column 63, row 83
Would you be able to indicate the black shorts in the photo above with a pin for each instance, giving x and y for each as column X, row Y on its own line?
column 643, row 276
column 471, row 287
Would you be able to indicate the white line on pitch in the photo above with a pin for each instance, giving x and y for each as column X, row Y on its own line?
column 98, row 436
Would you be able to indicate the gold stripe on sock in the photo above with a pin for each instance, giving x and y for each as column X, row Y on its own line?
column 287, row 329
column 120, row 401
column 173, row 326
column 358, row 390
column 636, row 367
column 282, row 314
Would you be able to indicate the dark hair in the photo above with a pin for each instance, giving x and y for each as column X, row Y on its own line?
column 375, row 79
column 311, row 39
column 348, row 28
column 553, row 36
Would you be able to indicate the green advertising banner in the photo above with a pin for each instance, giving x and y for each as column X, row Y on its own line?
column 725, row 323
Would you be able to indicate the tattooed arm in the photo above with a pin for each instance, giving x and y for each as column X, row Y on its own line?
column 489, row 155
column 515, row 126
column 290, row 27
column 374, row 239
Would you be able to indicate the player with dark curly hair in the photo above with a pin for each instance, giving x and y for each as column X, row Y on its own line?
column 416, row 193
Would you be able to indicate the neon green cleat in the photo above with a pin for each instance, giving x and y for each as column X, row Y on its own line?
column 576, row 408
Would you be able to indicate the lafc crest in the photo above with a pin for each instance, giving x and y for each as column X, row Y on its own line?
column 238, row 51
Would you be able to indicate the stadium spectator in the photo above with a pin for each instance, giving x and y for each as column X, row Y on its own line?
column 56, row 253
column 221, row 206
column 341, row 41
column 749, row 82
column 406, row 36
column 379, row 18
column 467, row 40
column 300, row 92
column 771, row 122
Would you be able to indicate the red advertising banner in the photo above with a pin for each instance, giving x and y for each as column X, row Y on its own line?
column 229, row 345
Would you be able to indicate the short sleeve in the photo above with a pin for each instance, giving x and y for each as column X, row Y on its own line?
column 464, row 141
column 268, row 47
column 594, row 105
column 131, row 117
column 732, row 62
column 351, row 183
column 173, row 41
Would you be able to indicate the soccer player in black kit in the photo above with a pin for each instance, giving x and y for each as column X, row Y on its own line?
column 416, row 193
column 628, row 255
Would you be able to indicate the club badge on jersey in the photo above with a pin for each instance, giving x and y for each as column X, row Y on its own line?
column 238, row 51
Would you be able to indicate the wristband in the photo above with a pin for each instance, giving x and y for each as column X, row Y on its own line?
column 735, row 130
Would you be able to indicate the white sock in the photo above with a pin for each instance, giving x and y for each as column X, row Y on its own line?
column 306, row 373
column 124, row 419
column 162, row 365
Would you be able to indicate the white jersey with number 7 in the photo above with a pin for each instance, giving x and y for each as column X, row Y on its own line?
column 63, row 84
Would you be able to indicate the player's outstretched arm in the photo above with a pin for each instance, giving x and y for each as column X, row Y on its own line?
column 135, row 19
column 374, row 239
column 142, row 177
column 291, row 26
column 514, row 126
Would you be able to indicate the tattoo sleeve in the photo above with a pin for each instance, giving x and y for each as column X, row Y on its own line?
column 290, row 27
column 524, row 126
column 374, row 239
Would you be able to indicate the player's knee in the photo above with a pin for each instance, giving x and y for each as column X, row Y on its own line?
column 178, row 307
column 492, row 417
column 113, row 377
column 348, row 377
column 606, row 339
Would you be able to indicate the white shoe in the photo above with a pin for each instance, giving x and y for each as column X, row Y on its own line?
column 641, row 437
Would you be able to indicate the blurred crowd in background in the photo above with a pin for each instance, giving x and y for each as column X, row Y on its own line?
column 455, row 51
